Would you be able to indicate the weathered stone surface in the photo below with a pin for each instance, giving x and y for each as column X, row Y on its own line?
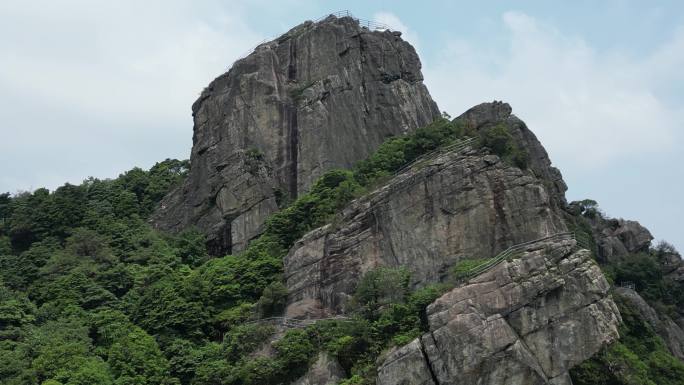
column 618, row 237
column 671, row 262
column 671, row 333
column 321, row 96
column 406, row 366
column 527, row 321
column 325, row 371
column 486, row 115
column 457, row 206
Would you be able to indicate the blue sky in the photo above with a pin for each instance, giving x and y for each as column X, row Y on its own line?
column 90, row 88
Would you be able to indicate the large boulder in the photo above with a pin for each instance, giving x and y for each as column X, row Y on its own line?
column 527, row 321
column 616, row 238
column 323, row 95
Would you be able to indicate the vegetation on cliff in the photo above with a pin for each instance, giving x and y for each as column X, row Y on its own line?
column 640, row 356
column 90, row 293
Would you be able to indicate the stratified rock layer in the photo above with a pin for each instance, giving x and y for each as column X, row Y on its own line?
column 323, row 95
column 525, row 322
column 456, row 206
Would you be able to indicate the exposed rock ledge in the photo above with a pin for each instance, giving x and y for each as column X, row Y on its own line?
column 527, row 321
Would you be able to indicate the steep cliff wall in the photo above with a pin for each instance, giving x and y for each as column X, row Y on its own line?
column 457, row 206
column 525, row 322
column 321, row 96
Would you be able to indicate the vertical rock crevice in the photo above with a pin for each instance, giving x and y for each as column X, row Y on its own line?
column 293, row 129
column 299, row 103
column 428, row 363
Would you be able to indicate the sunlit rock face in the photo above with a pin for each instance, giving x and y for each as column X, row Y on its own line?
column 525, row 322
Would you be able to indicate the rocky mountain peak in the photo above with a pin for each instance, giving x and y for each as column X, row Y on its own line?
column 485, row 116
column 486, row 113
column 323, row 95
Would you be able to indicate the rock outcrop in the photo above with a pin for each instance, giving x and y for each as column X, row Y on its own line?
column 487, row 115
column 321, row 96
column 456, row 206
column 671, row 263
column 525, row 322
column 617, row 238
column 325, row 371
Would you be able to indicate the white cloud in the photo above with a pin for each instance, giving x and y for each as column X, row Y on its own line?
column 589, row 108
column 132, row 53
column 396, row 24
column 91, row 81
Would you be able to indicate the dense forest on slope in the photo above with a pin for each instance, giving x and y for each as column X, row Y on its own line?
column 90, row 293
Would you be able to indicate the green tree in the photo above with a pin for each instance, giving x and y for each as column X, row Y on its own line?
column 191, row 247
column 162, row 307
column 16, row 311
column 273, row 300
column 380, row 287
column 5, row 202
column 92, row 371
column 59, row 348
column 135, row 359
column 5, row 245
column 87, row 243
column 29, row 220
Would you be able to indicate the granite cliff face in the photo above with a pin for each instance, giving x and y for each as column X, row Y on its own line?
column 459, row 205
column 617, row 238
column 525, row 322
column 486, row 115
column 324, row 95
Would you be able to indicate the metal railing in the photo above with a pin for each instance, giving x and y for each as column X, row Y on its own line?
column 365, row 23
column 628, row 285
column 338, row 14
column 368, row 24
column 584, row 240
column 295, row 322
column 510, row 253
column 507, row 254
column 454, row 147
column 457, row 148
